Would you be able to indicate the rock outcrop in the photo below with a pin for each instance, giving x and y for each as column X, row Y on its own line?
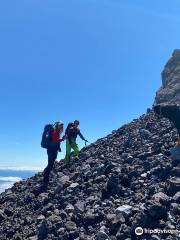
column 169, row 93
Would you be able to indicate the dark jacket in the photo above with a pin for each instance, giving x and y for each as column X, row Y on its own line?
column 72, row 132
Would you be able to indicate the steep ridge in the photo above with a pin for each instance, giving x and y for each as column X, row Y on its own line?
column 123, row 181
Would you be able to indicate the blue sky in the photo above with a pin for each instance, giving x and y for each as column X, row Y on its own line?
column 98, row 61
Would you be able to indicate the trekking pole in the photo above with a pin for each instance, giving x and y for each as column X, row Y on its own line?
column 86, row 142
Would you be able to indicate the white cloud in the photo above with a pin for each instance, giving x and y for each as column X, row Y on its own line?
column 10, row 179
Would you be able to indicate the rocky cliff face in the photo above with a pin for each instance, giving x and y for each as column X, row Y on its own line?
column 170, row 90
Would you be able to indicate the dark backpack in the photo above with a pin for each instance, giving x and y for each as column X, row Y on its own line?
column 46, row 141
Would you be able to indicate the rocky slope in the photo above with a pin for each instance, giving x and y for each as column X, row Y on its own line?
column 120, row 182
column 170, row 90
column 123, row 181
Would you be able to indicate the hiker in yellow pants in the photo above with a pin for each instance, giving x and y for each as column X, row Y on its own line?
column 71, row 133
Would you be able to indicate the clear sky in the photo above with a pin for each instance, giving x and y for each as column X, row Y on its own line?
column 98, row 61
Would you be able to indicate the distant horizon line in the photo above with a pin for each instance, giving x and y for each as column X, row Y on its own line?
column 23, row 168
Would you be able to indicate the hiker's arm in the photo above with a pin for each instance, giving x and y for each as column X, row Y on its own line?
column 59, row 140
column 64, row 137
column 81, row 136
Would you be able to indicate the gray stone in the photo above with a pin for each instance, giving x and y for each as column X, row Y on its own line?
column 175, row 209
column 54, row 218
column 64, row 181
column 61, row 231
column 176, row 197
column 155, row 237
column 102, row 236
column 69, row 208
column 126, row 210
column 40, row 218
column 161, row 197
column 74, row 185
column 79, row 207
column 70, row 226
column 35, row 237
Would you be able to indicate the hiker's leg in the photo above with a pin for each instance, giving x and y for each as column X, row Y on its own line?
column 52, row 155
column 47, row 169
column 75, row 147
column 68, row 152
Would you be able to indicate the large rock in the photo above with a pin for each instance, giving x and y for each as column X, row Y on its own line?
column 126, row 210
column 64, row 180
column 161, row 197
column 176, row 197
column 70, row 226
column 170, row 90
column 102, row 236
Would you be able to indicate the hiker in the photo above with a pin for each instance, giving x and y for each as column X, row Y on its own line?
column 52, row 140
column 172, row 112
column 71, row 133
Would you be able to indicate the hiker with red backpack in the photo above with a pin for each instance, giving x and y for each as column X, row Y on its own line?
column 71, row 133
column 51, row 141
